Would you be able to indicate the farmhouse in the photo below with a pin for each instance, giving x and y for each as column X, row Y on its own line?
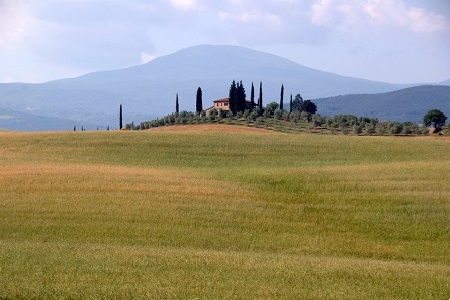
column 224, row 104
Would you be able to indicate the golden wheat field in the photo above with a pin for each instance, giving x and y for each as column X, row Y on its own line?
column 223, row 212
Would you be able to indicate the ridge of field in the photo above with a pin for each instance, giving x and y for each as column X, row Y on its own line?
column 223, row 212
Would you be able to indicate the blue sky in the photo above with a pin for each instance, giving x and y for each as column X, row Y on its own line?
column 399, row 41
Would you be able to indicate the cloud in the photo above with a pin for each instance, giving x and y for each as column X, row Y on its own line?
column 51, row 38
column 421, row 21
column 184, row 4
column 15, row 22
column 251, row 17
column 321, row 12
column 396, row 13
column 254, row 23
column 107, row 37
column 345, row 16
column 358, row 16
column 146, row 57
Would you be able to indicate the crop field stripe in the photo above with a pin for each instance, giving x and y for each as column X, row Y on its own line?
column 220, row 212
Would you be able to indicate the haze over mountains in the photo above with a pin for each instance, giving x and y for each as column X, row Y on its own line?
column 148, row 91
column 410, row 104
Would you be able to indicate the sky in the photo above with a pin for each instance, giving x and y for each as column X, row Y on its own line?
column 397, row 41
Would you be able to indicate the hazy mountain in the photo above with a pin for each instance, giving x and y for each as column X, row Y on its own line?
column 149, row 90
column 446, row 82
column 409, row 104
column 23, row 121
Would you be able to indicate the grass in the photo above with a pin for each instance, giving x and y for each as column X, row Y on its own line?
column 223, row 212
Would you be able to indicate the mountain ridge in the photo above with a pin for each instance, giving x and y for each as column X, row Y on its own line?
column 409, row 104
column 23, row 121
column 445, row 82
column 148, row 91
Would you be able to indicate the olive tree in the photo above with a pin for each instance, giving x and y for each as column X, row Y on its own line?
column 435, row 118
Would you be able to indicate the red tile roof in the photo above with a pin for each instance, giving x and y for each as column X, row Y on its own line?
column 225, row 100
column 222, row 100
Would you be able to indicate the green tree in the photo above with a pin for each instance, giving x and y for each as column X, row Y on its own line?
column 435, row 118
column 199, row 101
column 120, row 117
column 240, row 97
column 290, row 104
column 281, row 97
column 309, row 107
column 260, row 99
column 233, row 96
column 252, row 97
column 297, row 103
column 271, row 107
column 177, row 106
column 212, row 114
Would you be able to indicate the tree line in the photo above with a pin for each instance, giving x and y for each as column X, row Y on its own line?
column 339, row 124
column 300, row 111
column 238, row 101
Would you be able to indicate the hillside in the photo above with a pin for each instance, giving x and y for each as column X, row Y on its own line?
column 147, row 91
column 24, row 121
column 409, row 104
column 253, row 214
column 446, row 82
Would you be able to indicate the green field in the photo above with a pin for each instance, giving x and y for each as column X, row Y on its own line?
column 223, row 212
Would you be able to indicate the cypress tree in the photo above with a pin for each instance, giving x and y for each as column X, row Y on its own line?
column 240, row 97
column 177, row 106
column 290, row 105
column 260, row 99
column 252, row 97
column 199, row 101
column 120, row 117
column 281, row 97
column 233, row 94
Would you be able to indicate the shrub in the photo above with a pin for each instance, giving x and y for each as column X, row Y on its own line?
column 370, row 128
column 295, row 116
column 254, row 114
column 304, row 116
column 318, row 120
column 278, row 114
column 381, row 129
column 396, row 128
column 357, row 129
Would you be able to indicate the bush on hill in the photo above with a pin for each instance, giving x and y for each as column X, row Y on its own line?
column 294, row 121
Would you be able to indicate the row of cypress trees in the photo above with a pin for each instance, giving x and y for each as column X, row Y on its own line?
column 238, row 97
column 238, row 103
column 198, row 102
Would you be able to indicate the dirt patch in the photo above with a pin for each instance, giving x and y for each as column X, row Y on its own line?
column 210, row 128
column 433, row 137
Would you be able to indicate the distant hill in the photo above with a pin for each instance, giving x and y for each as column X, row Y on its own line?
column 23, row 121
column 446, row 82
column 147, row 91
column 409, row 104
